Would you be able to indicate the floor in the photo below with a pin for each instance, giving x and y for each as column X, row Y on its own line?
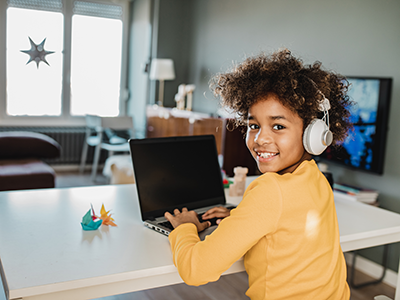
column 227, row 287
column 234, row 287
column 75, row 179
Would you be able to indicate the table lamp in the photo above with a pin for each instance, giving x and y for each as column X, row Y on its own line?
column 162, row 69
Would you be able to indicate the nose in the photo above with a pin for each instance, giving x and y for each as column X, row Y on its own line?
column 262, row 137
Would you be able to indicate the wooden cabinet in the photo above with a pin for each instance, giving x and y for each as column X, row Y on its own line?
column 165, row 122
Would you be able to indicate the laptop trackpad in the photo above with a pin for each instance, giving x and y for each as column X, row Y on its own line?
column 207, row 231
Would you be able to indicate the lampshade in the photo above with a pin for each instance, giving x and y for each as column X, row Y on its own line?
column 162, row 69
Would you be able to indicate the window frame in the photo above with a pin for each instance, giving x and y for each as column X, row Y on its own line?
column 65, row 119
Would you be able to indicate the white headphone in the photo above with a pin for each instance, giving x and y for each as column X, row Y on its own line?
column 317, row 135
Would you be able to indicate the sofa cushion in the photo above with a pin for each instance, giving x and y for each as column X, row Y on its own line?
column 19, row 174
column 23, row 144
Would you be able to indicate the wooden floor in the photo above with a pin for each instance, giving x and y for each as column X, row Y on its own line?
column 234, row 287
column 369, row 291
column 75, row 179
column 228, row 287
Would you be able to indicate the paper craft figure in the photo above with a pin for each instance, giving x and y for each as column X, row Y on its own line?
column 94, row 217
column 88, row 221
column 107, row 220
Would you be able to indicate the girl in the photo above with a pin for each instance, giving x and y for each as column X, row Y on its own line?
column 286, row 226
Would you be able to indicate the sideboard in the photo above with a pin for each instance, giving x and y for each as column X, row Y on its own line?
column 165, row 122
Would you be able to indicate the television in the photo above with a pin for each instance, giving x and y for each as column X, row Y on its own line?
column 364, row 148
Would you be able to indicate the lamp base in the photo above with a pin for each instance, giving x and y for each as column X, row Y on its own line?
column 161, row 93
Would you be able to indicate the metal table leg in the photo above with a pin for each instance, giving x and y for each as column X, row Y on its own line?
column 384, row 265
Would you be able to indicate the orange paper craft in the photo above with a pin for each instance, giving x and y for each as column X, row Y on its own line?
column 107, row 220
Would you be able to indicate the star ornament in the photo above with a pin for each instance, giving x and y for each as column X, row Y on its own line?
column 37, row 53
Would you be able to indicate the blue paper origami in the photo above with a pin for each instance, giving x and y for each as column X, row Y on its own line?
column 89, row 223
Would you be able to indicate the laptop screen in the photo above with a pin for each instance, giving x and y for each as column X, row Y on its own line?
column 176, row 172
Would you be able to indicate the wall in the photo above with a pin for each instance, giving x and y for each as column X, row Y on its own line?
column 353, row 37
column 3, row 51
column 139, row 55
column 174, row 29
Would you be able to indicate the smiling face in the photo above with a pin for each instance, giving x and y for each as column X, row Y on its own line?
column 275, row 136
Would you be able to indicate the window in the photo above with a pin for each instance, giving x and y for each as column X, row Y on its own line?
column 95, row 62
column 34, row 88
column 80, row 45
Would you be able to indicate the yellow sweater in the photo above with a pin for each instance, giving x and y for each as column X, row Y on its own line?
column 285, row 227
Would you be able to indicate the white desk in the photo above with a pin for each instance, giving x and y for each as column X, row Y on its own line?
column 46, row 255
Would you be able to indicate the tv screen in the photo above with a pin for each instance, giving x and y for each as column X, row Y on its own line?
column 364, row 148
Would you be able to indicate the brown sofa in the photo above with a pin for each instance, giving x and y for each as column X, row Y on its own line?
column 21, row 166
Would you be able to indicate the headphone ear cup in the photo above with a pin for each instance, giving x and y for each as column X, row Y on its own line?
column 317, row 137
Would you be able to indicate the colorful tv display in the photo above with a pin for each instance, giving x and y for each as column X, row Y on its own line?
column 364, row 148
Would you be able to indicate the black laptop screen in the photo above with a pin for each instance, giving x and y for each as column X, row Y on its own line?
column 176, row 172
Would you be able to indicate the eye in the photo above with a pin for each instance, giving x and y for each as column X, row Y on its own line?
column 253, row 126
column 278, row 127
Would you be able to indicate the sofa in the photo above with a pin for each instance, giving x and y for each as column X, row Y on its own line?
column 21, row 160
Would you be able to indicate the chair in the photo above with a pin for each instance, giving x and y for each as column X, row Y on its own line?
column 103, row 127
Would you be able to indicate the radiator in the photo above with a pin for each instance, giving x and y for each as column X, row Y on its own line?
column 71, row 140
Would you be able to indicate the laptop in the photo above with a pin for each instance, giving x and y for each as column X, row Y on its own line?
column 176, row 172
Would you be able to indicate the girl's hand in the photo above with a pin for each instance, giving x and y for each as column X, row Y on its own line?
column 219, row 212
column 186, row 217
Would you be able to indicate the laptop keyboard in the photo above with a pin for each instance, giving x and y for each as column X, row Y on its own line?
column 169, row 225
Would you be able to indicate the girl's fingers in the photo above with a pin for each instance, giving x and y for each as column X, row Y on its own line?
column 216, row 212
column 202, row 226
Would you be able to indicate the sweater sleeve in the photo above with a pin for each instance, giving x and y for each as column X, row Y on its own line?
column 200, row 262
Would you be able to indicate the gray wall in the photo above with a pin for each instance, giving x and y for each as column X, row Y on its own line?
column 353, row 37
column 139, row 55
column 174, row 32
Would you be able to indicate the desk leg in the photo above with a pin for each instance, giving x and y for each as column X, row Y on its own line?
column 397, row 294
column 384, row 265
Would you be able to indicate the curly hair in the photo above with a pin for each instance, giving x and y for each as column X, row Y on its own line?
column 297, row 86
